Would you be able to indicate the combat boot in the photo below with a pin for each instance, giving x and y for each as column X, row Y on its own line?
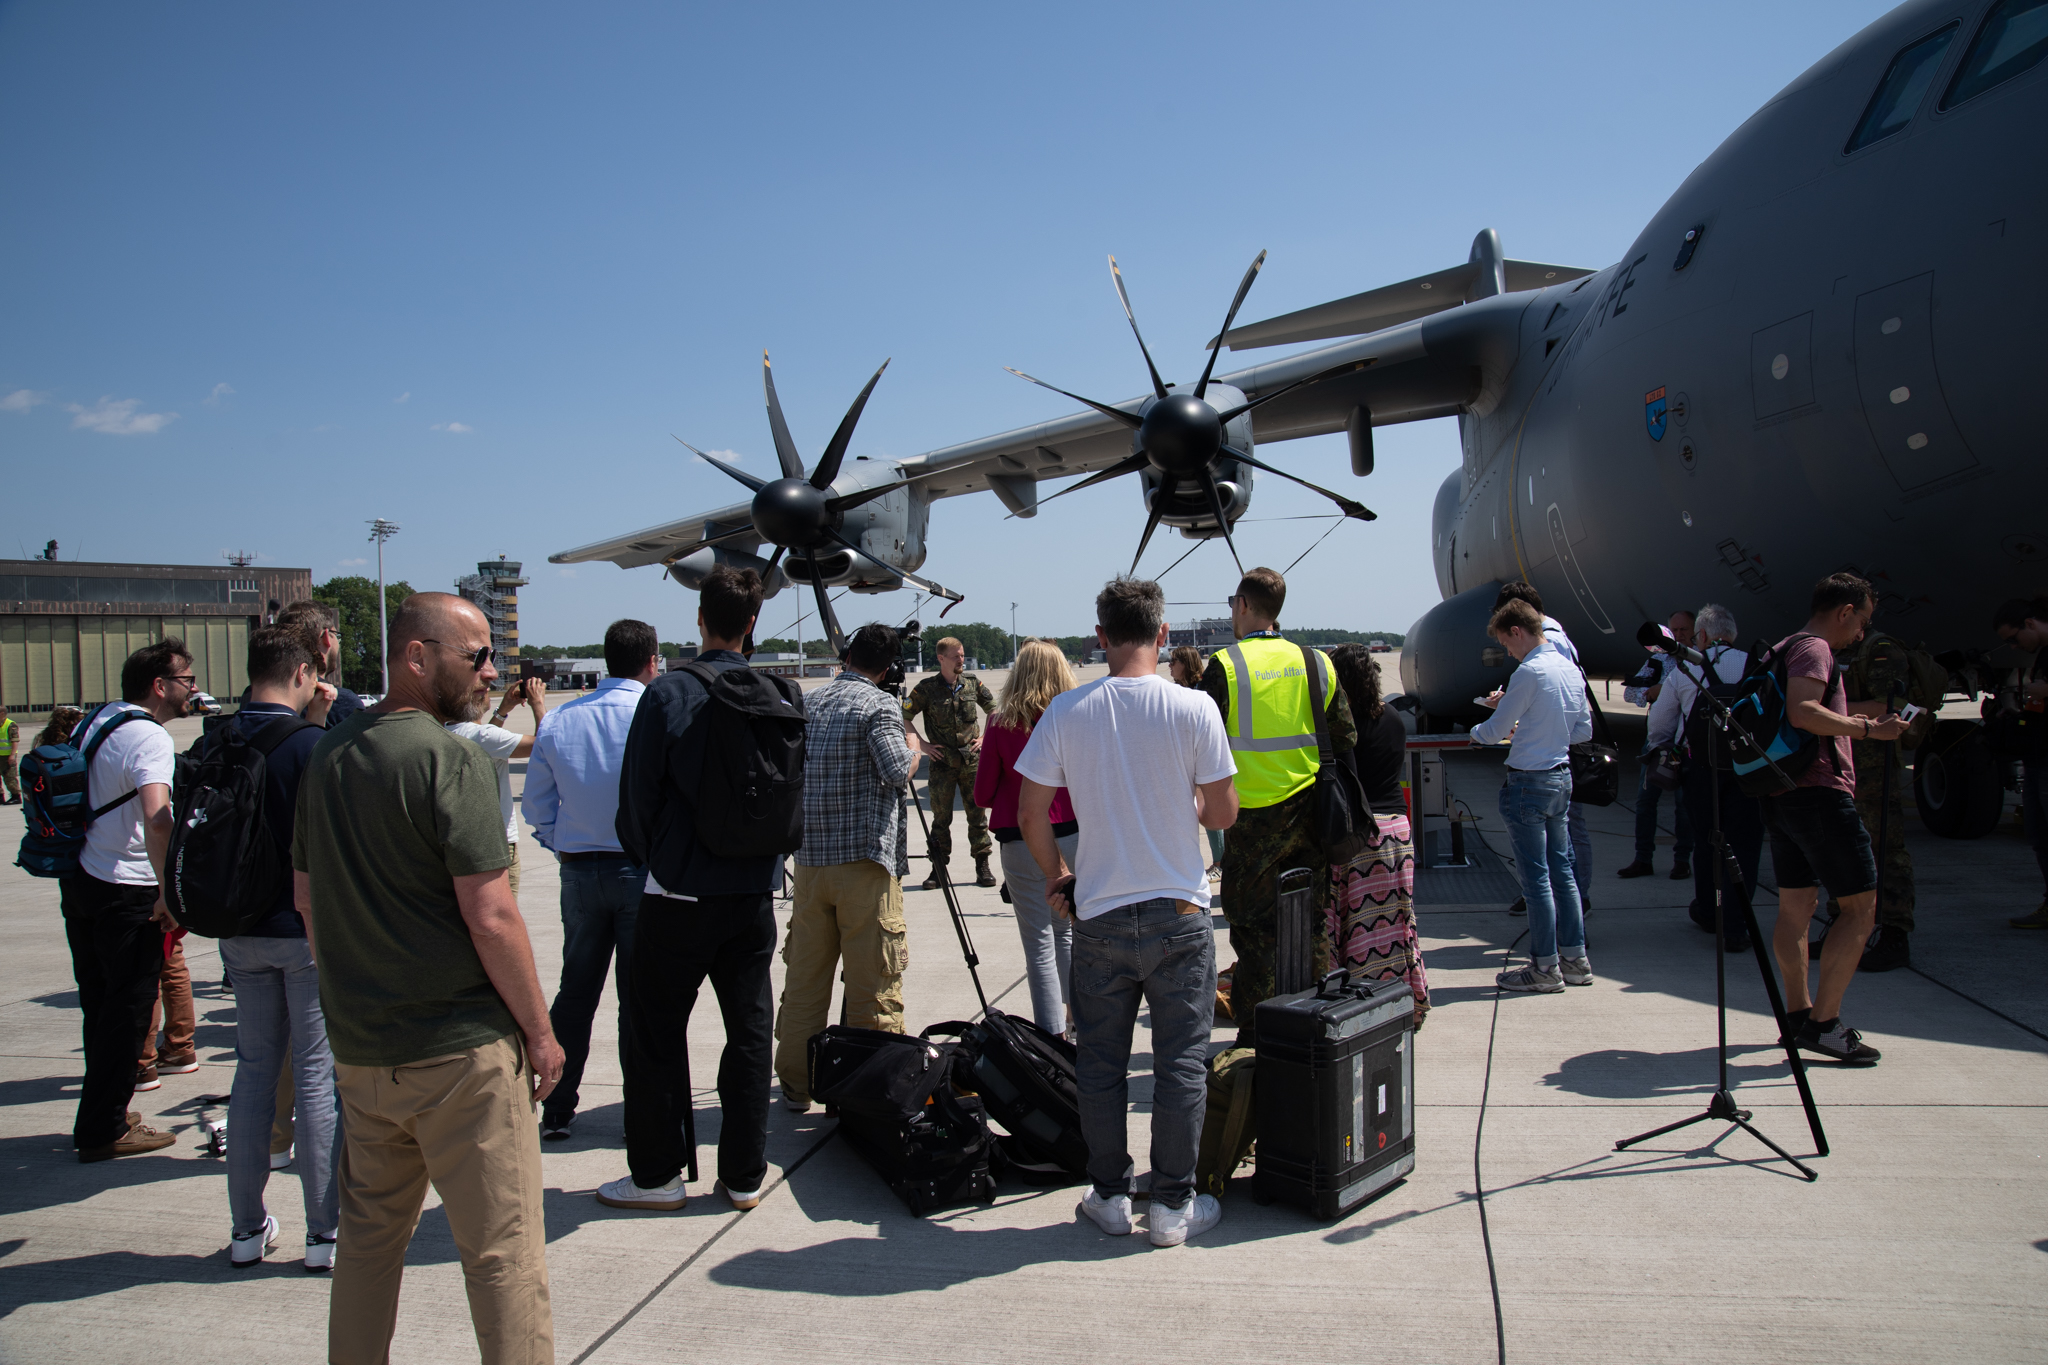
column 982, row 875
column 937, row 879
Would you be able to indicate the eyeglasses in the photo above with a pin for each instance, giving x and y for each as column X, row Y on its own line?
column 476, row 660
column 191, row 680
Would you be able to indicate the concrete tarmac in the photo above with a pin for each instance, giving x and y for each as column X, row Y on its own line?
column 1924, row 1238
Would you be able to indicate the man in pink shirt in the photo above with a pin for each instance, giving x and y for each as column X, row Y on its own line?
column 1817, row 838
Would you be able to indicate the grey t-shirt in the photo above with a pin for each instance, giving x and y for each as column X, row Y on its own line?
column 391, row 810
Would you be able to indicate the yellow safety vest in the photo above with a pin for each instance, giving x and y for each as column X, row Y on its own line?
column 1272, row 730
column 7, row 737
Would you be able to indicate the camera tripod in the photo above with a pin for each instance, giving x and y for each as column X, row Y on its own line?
column 1728, row 872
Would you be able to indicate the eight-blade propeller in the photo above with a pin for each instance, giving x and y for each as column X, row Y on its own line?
column 798, row 513
column 1182, row 435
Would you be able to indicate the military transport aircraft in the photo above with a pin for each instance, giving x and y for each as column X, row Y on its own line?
column 1814, row 356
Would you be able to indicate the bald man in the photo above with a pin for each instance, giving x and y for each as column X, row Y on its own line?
column 435, row 1015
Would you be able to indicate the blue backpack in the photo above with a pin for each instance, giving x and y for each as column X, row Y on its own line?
column 54, row 800
column 1763, row 707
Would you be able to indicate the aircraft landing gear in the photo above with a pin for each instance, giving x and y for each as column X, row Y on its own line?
column 1956, row 782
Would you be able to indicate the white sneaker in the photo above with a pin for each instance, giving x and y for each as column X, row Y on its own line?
column 741, row 1199
column 1170, row 1227
column 1113, row 1216
column 249, row 1248
column 280, row 1160
column 319, row 1253
column 1578, row 971
column 624, row 1194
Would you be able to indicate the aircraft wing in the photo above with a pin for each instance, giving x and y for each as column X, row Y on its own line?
column 657, row 543
column 1393, row 304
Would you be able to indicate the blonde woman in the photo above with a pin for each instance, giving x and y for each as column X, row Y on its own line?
column 1040, row 674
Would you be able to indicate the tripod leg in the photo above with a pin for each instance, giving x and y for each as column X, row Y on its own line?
column 1763, row 964
column 1797, row 1165
column 1627, row 1143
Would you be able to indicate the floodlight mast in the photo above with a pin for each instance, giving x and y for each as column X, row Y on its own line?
column 381, row 531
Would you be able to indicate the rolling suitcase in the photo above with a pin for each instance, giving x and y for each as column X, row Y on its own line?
column 1334, row 1094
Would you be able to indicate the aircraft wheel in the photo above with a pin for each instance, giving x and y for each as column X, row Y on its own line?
column 1955, row 782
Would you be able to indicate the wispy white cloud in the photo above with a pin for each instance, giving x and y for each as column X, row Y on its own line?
column 21, row 400
column 220, row 391
column 460, row 428
column 722, row 456
column 405, row 397
column 568, row 572
column 119, row 418
column 352, row 563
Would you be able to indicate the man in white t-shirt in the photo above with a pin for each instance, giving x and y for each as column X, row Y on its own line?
column 114, row 914
column 1148, row 767
column 503, row 746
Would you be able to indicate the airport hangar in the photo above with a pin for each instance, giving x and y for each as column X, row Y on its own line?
column 66, row 626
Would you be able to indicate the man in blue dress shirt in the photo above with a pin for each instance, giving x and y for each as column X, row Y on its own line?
column 572, row 803
column 1541, row 715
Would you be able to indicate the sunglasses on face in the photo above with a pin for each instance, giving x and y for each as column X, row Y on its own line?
column 477, row 660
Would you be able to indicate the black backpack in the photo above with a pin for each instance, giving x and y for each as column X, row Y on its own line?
column 750, row 789
column 1704, row 740
column 225, row 870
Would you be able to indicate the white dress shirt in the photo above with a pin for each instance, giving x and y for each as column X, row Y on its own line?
column 572, row 777
column 1669, row 712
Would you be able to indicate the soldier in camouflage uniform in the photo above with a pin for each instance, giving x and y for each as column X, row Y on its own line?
column 1269, row 840
column 1881, row 671
column 948, row 701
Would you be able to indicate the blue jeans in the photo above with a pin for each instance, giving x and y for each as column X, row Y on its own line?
column 1534, row 806
column 1147, row 952
column 1648, row 794
column 600, row 898
column 1048, row 939
column 277, row 1010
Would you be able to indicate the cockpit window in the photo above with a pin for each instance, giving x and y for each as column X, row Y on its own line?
column 2014, row 39
column 1904, row 85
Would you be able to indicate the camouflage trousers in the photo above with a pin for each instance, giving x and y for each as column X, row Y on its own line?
column 1265, row 842
column 1894, row 863
column 945, row 782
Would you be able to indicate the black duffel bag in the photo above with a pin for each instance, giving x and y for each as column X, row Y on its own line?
column 901, row 1107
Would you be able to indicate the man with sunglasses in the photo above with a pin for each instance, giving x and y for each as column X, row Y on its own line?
column 435, row 1015
column 114, row 912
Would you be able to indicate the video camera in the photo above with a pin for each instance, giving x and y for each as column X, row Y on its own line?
column 892, row 681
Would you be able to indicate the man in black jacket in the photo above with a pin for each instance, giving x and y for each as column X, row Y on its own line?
column 703, row 915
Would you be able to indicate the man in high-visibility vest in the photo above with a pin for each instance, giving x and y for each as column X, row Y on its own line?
column 8, row 771
column 1261, row 685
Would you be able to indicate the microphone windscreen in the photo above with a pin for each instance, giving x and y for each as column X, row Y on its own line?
column 1650, row 635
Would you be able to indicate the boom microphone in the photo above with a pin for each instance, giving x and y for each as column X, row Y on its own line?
column 1650, row 635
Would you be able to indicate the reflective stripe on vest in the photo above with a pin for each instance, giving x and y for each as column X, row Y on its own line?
column 1272, row 731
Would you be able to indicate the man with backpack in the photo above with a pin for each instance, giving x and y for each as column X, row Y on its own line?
column 276, row 985
column 1262, row 690
column 848, row 906
column 1816, row 836
column 1680, row 721
column 114, row 912
column 707, row 910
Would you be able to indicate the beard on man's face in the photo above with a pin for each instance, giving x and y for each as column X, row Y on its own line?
column 459, row 695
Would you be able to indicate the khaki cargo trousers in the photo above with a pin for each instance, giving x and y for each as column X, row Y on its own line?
column 465, row 1122
column 851, row 912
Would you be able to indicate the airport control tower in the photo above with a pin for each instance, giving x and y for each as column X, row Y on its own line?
column 494, row 587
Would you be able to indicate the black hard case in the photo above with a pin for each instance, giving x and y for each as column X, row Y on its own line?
column 1335, row 1094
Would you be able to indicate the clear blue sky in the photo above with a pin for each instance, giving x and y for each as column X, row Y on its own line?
column 273, row 270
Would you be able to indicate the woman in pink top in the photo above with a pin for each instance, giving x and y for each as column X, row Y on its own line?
column 1040, row 674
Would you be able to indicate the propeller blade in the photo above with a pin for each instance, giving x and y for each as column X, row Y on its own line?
column 1349, row 508
column 1231, row 414
column 775, row 559
column 851, row 500
column 1208, row 479
column 826, row 616
column 835, row 449
column 1151, row 525
column 748, row 479
column 785, row 449
column 1126, row 465
column 1158, row 384
column 1216, row 346
column 1105, row 409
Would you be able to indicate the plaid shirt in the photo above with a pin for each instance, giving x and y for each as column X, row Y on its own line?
column 856, row 764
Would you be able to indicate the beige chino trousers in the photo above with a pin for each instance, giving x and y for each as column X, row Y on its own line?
column 466, row 1123
column 851, row 912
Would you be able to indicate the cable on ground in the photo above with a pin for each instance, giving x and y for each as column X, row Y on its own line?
column 1500, row 1331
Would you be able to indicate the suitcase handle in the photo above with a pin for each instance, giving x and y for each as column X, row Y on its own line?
column 1323, row 991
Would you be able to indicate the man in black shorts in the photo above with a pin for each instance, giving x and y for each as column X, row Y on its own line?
column 1817, row 839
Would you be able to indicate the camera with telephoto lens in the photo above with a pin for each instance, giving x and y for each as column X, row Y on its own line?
column 892, row 681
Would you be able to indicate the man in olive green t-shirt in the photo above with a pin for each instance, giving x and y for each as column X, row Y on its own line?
column 435, row 1014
